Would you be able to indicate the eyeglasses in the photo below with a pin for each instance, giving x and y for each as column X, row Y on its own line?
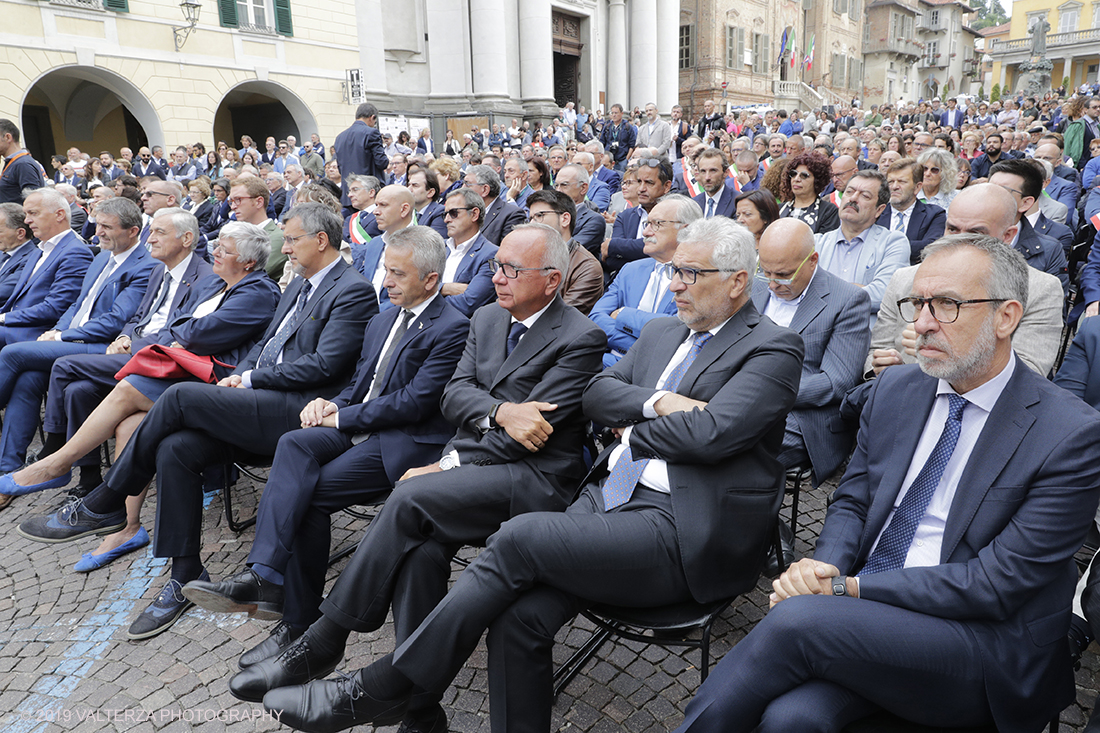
column 537, row 216
column 151, row 194
column 782, row 280
column 844, row 173
column 236, row 200
column 931, row 169
column 800, row 175
column 944, row 310
column 294, row 240
column 511, row 271
column 220, row 249
column 688, row 275
column 919, row 146
column 645, row 163
column 1012, row 190
column 453, row 213
column 659, row 224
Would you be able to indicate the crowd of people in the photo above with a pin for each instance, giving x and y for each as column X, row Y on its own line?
column 594, row 349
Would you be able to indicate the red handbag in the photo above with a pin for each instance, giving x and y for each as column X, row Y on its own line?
column 166, row 362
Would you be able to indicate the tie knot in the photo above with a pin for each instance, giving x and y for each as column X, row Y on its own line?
column 517, row 330
column 956, row 406
column 700, row 339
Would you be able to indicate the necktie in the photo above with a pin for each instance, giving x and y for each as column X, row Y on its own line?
column 85, row 309
column 619, row 486
column 710, row 208
column 651, row 296
column 901, row 222
column 274, row 347
column 380, row 370
column 517, row 330
column 893, row 545
column 162, row 297
column 4, row 257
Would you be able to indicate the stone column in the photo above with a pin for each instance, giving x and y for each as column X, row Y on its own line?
column 668, row 55
column 372, row 52
column 447, row 55
column 536, row 63
column 616, row 54
column 488, row 56
column 643, row 53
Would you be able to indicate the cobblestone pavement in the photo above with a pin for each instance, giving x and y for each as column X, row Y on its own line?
column 65, row 663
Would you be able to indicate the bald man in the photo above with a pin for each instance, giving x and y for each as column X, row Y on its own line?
column 832, row 316
column 981, row 209
column 393, row 211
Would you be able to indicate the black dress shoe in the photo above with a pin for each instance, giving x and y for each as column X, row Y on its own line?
column 786, row 543
column 425, row 720
column 326, row 706
column 282, row 637
column 244, row 592
column 296, row 665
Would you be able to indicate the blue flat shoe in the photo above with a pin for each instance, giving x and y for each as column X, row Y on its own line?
column 89, row 562
column 8, row 486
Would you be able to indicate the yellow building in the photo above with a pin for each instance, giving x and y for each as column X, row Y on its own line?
column 1072, row 44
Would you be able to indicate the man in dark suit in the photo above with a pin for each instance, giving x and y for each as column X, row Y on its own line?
column 467, row 279
column 276, row 183
column 53, row 274
column 831, row 316
column 16, row 247
column 352, row 449
column 590, row 227
column 501, row 216
column 359, row 150
column 424, row 186
column 309, row 351
column 974, row 561
column 516, row 401
column 664, row 517
column 146, row 166
column 626, row 243
column 640, row 292
column 109, row 296
column 1023, row 180
column 716, row 199
column 362, row 226
column 952, row 116
column 78, row 383
column 922, row 223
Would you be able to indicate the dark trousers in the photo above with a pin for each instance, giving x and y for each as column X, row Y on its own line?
column 316, row 471
column 191, row 427
column 816, row 663
column 77, row 385
column 24, row 375
column 534, row 575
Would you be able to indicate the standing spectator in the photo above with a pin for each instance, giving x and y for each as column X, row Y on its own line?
column 618, row 138
column 359, row 150
column 654, row 132
column 424, row 144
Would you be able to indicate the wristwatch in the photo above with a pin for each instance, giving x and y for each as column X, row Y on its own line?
column 447, row 462
column 840, row 585
column 493, row 414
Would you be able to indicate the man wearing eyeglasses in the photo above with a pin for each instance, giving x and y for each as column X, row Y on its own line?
column 950, row 575
column 843, row 168
column 654, row 179
column 248, row 199
column 861, row 251
column 515, row 399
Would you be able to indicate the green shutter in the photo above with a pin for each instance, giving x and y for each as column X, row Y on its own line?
column 283, row 24
column 121, row 6
column 227, row 13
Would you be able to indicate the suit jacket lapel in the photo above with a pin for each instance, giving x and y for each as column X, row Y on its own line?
column 464, row 272
column 739, row 326
column 812, row 304
column 1004, row 430
column 417, row 327
column 534, row 341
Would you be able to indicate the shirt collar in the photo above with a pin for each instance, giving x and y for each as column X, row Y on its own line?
column 419, row 308
column 530, row 320
column 462, row 248
column 49, row 244
column 121, row 257
column 181, row 267
column 315, row 281
column 985, row 395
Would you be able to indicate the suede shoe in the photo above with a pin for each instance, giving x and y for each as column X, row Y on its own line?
column 71, row 522
column 246, row 591
column 164, row 611
column 296, row 665
column 282, row 637
column 425, row 720
column 326, row 706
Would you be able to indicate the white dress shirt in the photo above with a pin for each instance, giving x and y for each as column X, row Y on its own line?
column 47, row 247
column 455, row 254
column 84, row 310
column 782, row 311
column 159, row 318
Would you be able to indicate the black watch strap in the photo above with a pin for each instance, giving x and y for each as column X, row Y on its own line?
column 493, row 414
column 840, row 585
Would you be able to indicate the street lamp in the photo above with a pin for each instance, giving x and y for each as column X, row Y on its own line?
column 190, row 10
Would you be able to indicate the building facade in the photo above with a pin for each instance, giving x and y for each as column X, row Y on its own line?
column 1072, row 43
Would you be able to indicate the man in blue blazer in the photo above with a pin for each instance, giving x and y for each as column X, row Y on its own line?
column 351, row 449
column 112, row 290
column 308, row 351
column 146, row 165
column 16, row 247
column 831, row 316
column 923, row 223
column 501, row 216
column 599, row 193
column 78, row 383
column 467, row 279
column 641, row 292
column 716, row 199
column 359, row 150
column 950, row 542
column 53, row 273
column 424, row 185
column 626, row 243
column 1050, row 228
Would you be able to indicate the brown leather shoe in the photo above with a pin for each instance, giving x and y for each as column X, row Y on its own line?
column 5, row 500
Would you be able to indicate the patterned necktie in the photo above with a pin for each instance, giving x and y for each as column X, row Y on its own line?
column 274, row 347
column 517, row 330
column 893, row 545
column 901, row 222
column 384, row 362
column 710, row 207
column 85, row 311
column 620, row 483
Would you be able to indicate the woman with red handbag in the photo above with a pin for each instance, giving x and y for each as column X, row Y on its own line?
column 223, row 317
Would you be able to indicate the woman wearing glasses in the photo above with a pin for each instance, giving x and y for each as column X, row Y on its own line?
column 807, row 175
column 940, row 177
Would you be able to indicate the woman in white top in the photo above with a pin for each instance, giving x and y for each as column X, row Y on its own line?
column 940, row 177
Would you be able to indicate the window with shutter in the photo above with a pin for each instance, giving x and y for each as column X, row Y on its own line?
column 121, row 6
column 284, row 26
column 838, row 6
column 740, row 48
column 765, row 49
column 687, row 47
column 731, row 47
column 227, row 13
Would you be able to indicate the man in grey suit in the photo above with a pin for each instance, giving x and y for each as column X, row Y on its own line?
column 515, row 398
column 654, row 132
column 980, row 209
column 831, row 316
column 861, row 251
column 666, row 516
column 501, row 216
